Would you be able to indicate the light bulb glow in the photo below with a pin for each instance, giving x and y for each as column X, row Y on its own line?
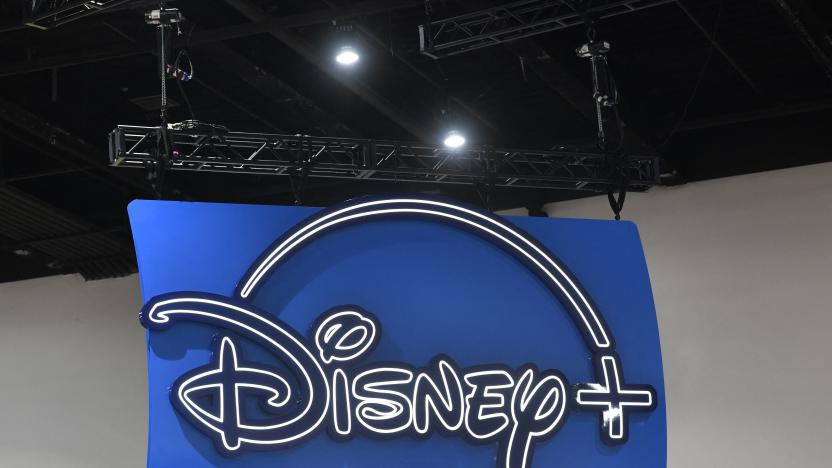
column 347, row 56
column 454, row 140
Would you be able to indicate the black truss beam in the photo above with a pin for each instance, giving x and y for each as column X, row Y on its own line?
column 63, row 12
column 517, row 20
column 63, row 237
column 560, row 80
column 206, row 150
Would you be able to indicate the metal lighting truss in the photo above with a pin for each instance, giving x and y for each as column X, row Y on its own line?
column 516, row 20
column 217, row 150
column 53, row 13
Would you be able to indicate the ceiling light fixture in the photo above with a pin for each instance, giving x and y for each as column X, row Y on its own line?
column 347, row 56
column 454, row 139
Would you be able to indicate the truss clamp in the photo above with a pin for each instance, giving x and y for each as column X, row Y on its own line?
column 163, row 16
column 596, row 52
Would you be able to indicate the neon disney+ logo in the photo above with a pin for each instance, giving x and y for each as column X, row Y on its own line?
column 332, row 385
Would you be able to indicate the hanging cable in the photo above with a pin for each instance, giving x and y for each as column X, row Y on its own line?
column 183, row 73
column 606, row 99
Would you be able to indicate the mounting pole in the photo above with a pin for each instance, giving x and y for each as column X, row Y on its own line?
column 605, row 96
column 602, row 92
column 164, row 19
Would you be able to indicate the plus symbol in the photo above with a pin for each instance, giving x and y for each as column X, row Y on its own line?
column 614, row 400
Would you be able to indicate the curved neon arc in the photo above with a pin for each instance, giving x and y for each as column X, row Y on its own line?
column 594, row 327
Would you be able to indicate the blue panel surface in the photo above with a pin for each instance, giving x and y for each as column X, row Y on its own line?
column 434, row 288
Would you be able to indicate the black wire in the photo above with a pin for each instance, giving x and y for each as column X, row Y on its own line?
column 177, row 66
column 188, row 36
column 616, row 99
column 180, row 74
column 185, row 98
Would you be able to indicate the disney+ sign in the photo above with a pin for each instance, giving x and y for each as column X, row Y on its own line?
column 333, row 377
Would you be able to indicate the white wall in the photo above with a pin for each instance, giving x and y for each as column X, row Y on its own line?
column 741, row 271
column 73, row 376
column 742, row 277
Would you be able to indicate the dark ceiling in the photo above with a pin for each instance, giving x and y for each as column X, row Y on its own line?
column 714, row 87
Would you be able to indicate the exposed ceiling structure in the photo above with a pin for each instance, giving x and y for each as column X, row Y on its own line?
column 713, row 88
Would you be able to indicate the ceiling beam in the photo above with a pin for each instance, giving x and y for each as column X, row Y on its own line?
column 718, row 47
column 555, row 76
column 764, row 114
column 63, row 146
column 32, row 223
column 234, row 103
column 560, row 80
column 459, row 102
column 266, row 24
column 238, row 66
column 428, row 79
column 42, row 174
column 19, row 244
column 299, row 45
column 552, row 74
column 237, row 31
column 283, row 96
column 61, row 61
column 804, row 20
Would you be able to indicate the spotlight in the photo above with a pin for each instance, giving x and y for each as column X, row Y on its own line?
column 22, row 252
column 347, row 56
column 454, row 139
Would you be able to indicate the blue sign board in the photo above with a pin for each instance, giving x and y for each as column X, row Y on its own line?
column 396, row 331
